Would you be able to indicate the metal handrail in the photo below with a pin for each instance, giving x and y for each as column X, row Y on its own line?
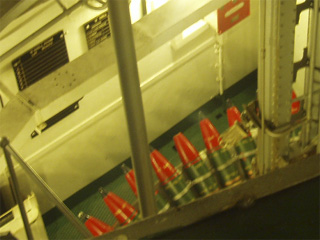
column 8, row 152
column 16, row 188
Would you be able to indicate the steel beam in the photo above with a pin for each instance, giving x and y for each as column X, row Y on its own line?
column 312, row 101
column 144, row 7
column 277, row 28
column 131, row 94
column 149, row 34
column 317, row 67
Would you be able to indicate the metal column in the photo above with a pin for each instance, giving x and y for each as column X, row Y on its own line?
column 277, row 28
column 312, row 87
column 132, row 99
column 316, row 66
column 144, row 7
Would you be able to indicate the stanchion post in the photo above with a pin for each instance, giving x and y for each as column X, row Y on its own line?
column 131, row 94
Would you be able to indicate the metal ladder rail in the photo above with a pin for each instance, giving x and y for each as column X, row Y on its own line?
column 316, row 68
column 311, row 100
column 8, row 152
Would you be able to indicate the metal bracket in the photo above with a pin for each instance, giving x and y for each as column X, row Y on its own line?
column 96, row 4
column 303, row 6
column 252, row 113
column 1, row 102
column 219, row 66
column 56, row 118
column 3, row 142
column 304, row 62
column 273, row 131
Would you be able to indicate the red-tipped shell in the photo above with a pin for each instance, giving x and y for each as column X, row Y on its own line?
column 234, row 115
column 163, row 168
column 187, row 152
column 97, row 227
column 125, row 207
column 131, row 179
column 116, row 211
column 295, row 107
column 210, row 134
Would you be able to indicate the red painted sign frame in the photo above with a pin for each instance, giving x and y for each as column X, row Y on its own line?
column 227, row 18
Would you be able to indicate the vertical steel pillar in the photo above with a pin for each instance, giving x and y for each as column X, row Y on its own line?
column 132, row 99
column 144, row 7
column 277, row 28
column 311, row 91
column 317, row 62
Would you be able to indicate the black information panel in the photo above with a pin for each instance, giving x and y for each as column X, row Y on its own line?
column 41, row 60
column 97, row 30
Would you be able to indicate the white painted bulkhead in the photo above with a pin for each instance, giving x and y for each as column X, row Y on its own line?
column 92, row 140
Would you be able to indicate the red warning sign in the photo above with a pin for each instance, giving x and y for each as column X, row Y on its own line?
column 232, row 13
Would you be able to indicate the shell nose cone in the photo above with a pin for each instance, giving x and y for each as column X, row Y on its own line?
column 234, row 115
column 210, row 134
column 186, row 150
column 163, row 168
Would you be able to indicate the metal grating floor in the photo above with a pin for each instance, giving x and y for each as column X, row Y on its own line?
column 90, row 201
